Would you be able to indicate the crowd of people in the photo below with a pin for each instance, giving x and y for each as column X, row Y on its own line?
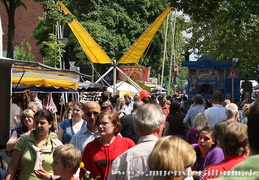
column 140, row 137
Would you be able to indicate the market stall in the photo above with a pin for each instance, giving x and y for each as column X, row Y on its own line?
column 23, row 74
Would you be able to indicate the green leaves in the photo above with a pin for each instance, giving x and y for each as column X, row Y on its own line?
column 225, row 28
column 115, row 25
column 53, row 51
column 23, row 52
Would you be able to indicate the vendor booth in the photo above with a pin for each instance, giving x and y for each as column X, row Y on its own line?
column 206, row 75
column 22, row 75
column 42, row 82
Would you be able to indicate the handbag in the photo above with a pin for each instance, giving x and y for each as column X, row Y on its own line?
column 18, row 170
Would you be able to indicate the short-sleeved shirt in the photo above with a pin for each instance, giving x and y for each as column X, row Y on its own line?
column 28, row 157
column 15, row 111
column 67, row 127
column 83, row 137
column 247, row 87
column 191, row 114
column 216, row 114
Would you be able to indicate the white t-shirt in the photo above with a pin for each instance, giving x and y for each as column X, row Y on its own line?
column 15, row 110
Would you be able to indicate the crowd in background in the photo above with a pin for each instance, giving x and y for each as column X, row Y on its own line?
column 120, row 137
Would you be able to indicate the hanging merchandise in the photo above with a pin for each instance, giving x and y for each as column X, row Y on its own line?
column 51, row 105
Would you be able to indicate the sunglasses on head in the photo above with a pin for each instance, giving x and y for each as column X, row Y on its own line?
column 89, row 114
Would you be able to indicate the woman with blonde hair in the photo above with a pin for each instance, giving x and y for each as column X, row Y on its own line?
column 200, row 121
column 171, row 158
column 27, row 120
column 121, row 107
column 245, row 110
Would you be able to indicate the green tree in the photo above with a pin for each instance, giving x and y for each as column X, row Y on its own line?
column 48, row 24
column 10, row 7
column 115, row 25
column 23, row 52
column 53, row 51
column 224, row 28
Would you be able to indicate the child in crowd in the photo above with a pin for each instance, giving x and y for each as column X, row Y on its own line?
column 66, row 161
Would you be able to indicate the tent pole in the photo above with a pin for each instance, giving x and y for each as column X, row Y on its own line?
column 130, row 80
column 104, row 75
column 172, row 55
column 114, row 77
column 164, row 56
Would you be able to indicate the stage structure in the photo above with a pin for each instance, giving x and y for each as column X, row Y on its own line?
column 96, row 55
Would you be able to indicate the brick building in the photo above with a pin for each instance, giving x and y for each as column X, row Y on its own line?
column 25, row 20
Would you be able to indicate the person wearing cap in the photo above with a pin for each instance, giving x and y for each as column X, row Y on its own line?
column 143, row 94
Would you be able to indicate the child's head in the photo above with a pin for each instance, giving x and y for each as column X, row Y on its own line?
column 66, row 156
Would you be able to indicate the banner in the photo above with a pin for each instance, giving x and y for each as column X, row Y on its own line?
column 138, row 72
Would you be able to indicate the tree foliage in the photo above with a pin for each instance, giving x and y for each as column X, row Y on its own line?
column 224, row 28
column 10, row 7
column 116, row 25
column 23, row 52
column 53, row 51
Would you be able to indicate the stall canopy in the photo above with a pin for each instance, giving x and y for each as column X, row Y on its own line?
column 7, row 67
column 40, row 82
column 43, row 80
column 36, row 74
column 124, row 88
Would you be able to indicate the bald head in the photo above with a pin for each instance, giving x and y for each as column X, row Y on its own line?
column 92, row 105
column 137, row 104
column 92, row 109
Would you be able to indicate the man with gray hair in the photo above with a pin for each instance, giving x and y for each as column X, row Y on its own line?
column 248, row 169
column 34, row 106
column 149, row 122
column 192, row 112
column 220, row 127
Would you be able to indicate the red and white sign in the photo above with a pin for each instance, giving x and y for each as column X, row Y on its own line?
column 138, row 72
column 232, row 74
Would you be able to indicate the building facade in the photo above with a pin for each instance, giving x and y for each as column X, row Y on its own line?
column 25, row 20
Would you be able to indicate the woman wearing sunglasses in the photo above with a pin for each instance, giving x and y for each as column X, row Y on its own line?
column 99, row 154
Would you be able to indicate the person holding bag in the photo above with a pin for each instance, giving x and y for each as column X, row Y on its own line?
column 39, row 147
